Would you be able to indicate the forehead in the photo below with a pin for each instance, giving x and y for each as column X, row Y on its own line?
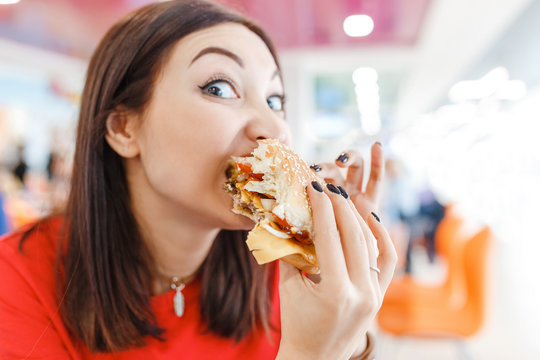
column 235, row 38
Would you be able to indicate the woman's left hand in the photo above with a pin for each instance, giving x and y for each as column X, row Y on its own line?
column 366, row 201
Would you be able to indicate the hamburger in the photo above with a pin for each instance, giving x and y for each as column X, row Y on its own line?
column 269, row 187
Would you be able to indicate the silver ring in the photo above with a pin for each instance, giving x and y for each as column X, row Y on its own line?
column 376, row 269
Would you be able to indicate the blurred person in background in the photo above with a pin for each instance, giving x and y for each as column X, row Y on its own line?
column 430, row 214
column 58, row 176
column 51, row 164
column 20, row 168
column 399, row 206
column 412, row 214
column 12, row 190
column 172, row 92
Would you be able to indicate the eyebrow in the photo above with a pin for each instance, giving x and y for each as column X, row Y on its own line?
column 218, row 50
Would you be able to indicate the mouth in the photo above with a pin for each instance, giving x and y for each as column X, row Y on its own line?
column 230, row 164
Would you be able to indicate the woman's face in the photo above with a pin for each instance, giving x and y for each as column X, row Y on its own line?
column 218, row 93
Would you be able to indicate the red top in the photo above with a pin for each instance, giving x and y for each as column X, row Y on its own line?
column 31, row 327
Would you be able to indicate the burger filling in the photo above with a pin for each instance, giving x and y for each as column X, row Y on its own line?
column 258, row 206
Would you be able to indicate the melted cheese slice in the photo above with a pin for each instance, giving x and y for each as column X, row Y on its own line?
column 267, row 247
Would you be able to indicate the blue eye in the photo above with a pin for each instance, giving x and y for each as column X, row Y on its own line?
column 276, row 102
column 220, row 88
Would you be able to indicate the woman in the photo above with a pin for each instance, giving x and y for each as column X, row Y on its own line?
column 172, row 92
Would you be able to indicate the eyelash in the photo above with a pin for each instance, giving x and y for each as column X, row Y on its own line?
column 218, row 78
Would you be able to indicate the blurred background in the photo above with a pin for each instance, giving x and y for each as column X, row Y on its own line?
column 451, row 88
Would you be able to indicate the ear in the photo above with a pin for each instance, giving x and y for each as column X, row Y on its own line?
column 121, row 132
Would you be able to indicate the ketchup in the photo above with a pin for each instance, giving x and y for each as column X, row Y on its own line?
column 246, row 168
column 285, row 227
column 256, row 177
column 243, row 167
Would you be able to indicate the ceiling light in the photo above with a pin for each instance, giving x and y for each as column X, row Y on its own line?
column 7, row 2
column 358, row 25
column 364, row 75
column 367, row 99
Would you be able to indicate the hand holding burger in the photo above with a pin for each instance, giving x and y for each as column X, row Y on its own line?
column 297, row 214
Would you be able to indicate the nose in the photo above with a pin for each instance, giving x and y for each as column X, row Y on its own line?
column 267, row 124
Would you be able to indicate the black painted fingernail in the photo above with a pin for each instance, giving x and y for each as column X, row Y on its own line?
column 343, row 157
column 375, row 216
column 333, row 189
column 316, row 167
column 343, row 192
column 378, row 142
column 317, row 186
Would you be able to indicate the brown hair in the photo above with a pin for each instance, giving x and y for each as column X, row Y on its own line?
column 108, row 273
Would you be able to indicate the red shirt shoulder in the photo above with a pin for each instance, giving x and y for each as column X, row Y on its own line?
column 29, row 313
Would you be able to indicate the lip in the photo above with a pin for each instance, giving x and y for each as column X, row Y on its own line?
column 249, row 154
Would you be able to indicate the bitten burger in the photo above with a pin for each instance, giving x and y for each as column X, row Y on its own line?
column 270, row 188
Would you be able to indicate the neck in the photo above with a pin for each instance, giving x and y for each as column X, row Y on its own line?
column 178, row 240
column 178, row 250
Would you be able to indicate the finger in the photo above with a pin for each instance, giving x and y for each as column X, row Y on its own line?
column 315, row 167
column 376, row 174
column 330, row 173
column 353, row 241
column 354, row 163
column 387, row 259
column 326, row 236
column 355, row 175
column 371, row 247
column 346, row 158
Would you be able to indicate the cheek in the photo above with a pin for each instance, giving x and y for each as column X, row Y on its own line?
column 183, row 152
column 174, row 164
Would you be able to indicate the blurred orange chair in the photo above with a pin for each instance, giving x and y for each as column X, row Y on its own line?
column 449, row 247
column 457, row 307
